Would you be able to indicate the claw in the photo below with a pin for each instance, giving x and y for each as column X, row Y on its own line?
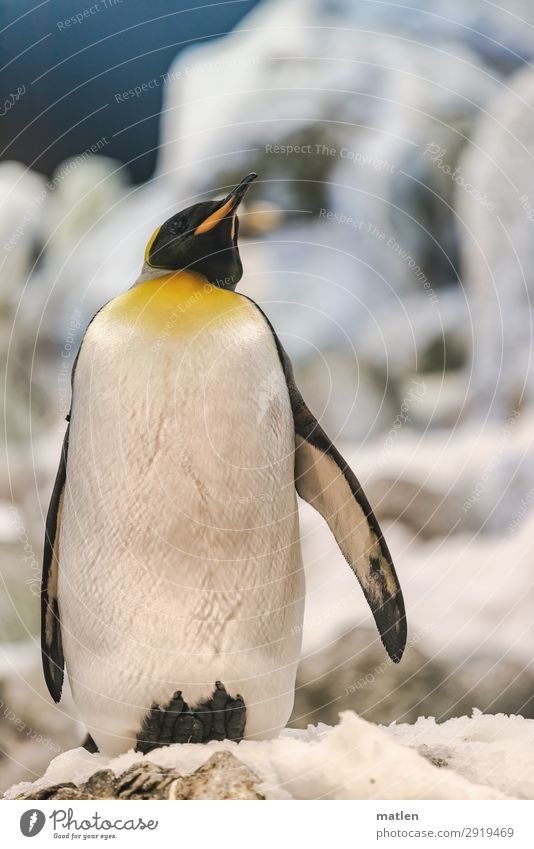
column 235, row 719
column 218, row 703
column 171, row 715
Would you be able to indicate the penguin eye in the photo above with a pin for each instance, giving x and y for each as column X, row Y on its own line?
column 177, row 227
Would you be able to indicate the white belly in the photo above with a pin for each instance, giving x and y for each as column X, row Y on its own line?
column 179, row 545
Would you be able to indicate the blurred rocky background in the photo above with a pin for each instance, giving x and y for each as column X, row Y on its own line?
column 390, row 240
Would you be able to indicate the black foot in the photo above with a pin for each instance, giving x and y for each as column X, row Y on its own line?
column 221, row 717
column 89, row 745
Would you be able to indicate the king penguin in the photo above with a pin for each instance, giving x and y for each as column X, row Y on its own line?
column 173, row 585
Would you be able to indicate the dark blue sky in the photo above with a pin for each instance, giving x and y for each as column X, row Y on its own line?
column 61, row 76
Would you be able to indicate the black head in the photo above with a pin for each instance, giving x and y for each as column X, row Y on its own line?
column 202, row 238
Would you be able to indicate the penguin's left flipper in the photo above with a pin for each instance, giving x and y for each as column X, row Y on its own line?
column 220, row 717
column 326, row 481
column 51, row 644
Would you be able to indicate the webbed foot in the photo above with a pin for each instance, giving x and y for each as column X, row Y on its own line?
column 220, row 717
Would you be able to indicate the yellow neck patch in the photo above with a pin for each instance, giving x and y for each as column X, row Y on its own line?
column 150, row 243
column 176, row 304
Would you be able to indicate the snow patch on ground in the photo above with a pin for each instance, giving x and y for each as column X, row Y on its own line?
column 494, row 750
column 478, row 757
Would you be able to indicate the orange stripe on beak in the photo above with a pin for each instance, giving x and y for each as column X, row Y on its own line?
column 216, row 217
column 229, row 205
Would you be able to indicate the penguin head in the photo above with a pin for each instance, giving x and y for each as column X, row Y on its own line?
column 202, row 238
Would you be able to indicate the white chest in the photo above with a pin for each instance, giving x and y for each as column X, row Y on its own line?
column 179, row 550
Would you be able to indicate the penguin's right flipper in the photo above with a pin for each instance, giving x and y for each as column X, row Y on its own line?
column 325, row 480
column 51, row 645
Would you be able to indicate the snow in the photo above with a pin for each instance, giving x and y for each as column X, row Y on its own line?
column 493, row 750
column 478, row 757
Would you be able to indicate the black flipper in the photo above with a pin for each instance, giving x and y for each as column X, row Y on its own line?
column 51, row 644
column 51, row 647
column 326, row 481
column 89, row 745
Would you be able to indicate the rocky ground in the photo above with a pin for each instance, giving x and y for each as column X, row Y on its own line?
column 479, row 758
column 223, row 776
column 353, row 673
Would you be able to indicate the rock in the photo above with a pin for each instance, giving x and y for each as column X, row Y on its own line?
column 354, row 673
column 363, row 129
column 424, row 510
column 19, row 602
column 342, row 147
column 497, row 245
column 223, row 776
column 470, row 592
column 85, row 189
column 255, row 72
column 66, row 791
column 344, row 137
column 22, row 222
column 23, row 202
column 33, row 730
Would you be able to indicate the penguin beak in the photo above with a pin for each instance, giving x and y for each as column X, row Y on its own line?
column 228, row 206
column 237, row 194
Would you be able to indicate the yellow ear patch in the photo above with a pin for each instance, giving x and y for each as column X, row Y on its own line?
column 215, row 217
column 150, row 243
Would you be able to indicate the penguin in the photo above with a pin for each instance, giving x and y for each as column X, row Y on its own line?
column 173, row 584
